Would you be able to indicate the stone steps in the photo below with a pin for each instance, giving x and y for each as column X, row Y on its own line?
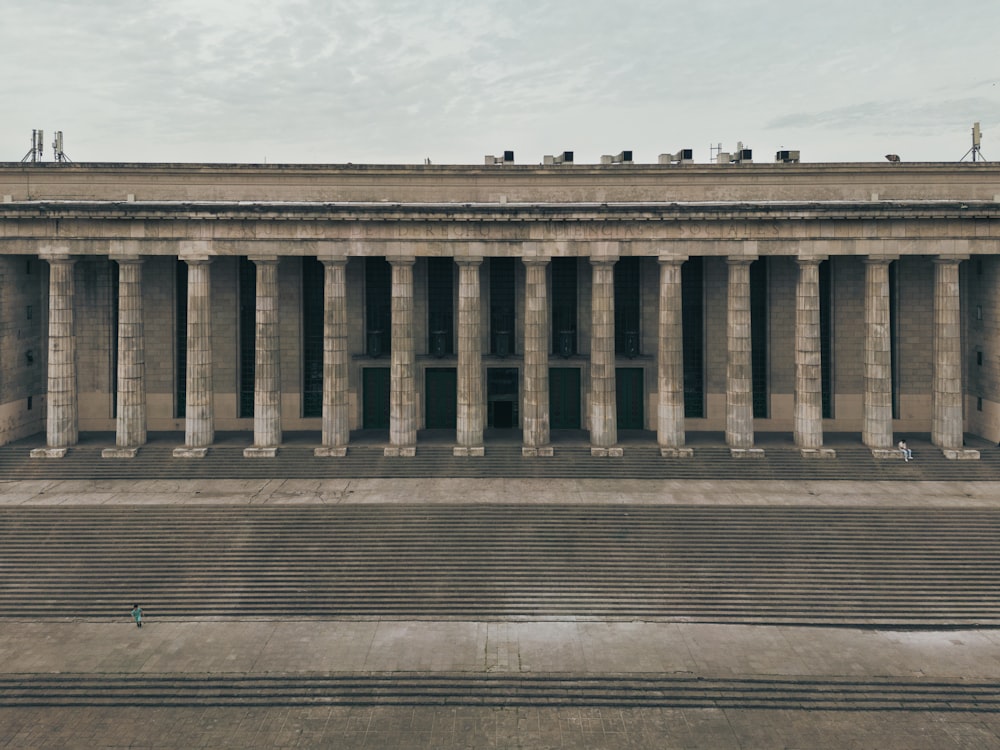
column 155, row 461
column 496, row 690
column 900, row 566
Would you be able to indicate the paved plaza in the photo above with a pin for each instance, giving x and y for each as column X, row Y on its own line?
column 348, row 682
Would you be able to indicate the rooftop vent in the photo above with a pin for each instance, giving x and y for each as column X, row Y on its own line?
column 624, row 157
column 566, row 157
column 507, row 158
column 787, row 157
column 684, row 156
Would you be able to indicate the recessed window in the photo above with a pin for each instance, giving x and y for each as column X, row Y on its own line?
column 29, row 403
column 979, row 358
column 979, row 403
column 979, row 312
column 28, row 312
column 27, row 267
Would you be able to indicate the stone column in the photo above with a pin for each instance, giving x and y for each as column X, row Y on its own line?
column 469, row 433
column 670, row 362
column 739, row 369
column 402, row 378
column 62, row 415
column 877, row 433
column 536, row 360
column 131, row 419
column 199, row 426
column 947, row 430
column 267, row 364
column 603, row 401
column 808, row 363
column 336, row 403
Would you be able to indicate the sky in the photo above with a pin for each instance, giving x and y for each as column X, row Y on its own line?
column 401, row 81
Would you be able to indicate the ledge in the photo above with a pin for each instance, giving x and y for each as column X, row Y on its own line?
column 49, row 452
column 119, row 452
column 746, row 452
column 677, row 452
column 464, row 450
column 187, row 452
column 331, row 451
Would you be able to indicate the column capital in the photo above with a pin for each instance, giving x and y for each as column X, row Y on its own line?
column 401, row 260
column 671, row 260
column 196, row 260
column 944, row 259
column 333, row 260
column 262, row 260
column 469, row 260
column 740, row 260
column 63, row 258
column 873, row 260
column 810, row 260
column 127, row 259
column 536, row 261
column 603, row 260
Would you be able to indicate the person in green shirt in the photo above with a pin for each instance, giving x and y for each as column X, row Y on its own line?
column 137, row 615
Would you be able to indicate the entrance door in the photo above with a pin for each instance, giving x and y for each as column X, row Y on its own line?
column 441, row 398
column 629, row 397
column 501, row 398
column 564, row 398
column 375, row 398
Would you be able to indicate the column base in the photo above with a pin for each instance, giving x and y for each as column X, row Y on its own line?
column 825, row 453
column 746, row 452
column 185, row 451
column 677, row 452
column 543, row 451
column 965, row 454
column 467, row 450
column 260, row 451
column 406, row 451
column 48, row 452
column 330, row 451
column 119, row 452
column 612, row 452
column 887, row 454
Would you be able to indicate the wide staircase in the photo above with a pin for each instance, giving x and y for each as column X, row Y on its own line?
column 904, row 567
column 503, row 459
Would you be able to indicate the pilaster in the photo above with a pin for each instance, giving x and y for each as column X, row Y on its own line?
column 336, row 403
column 402, row 378
column 469, row 432
column 267, row 364
column 947, row 430
column 130, row 431
column 670, row 362
column 603, row 403
column 62, row 414
column 739, row 371
column 536, row 360
column 199, row 426
column 877, row 431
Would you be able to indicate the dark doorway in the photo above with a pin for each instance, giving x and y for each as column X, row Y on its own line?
column 501, row 398
column 441, row 397
column 564, row 398
column 629, row 397
column 375, row 387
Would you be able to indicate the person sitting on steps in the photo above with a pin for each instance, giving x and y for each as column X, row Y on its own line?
column 907, row 453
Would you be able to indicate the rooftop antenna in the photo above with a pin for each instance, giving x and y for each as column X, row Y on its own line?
column 57, row 149
column 713, row 152
column 37, row 146
column 977, row 137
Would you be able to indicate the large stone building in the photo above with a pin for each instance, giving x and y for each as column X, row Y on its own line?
column 744, row 298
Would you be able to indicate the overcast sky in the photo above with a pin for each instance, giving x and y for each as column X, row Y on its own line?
column 398, row 81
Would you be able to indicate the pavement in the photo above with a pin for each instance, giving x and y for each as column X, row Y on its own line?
column 744, row 686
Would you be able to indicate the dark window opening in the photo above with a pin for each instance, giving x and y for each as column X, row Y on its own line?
column 693, row 326
column 826, row 336
column 440, row 306
column 758, row 335
column 894, row 338
column 564, row 277
column 113, row 347
column 501, row 306
column 627, row 307
column 312, row 337
column 247, row 334
column 378, row 307
column 180, row 346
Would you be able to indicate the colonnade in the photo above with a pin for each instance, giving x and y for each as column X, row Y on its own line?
column 877, row 434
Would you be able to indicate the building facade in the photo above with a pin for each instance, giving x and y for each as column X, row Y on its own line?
column 671, row 299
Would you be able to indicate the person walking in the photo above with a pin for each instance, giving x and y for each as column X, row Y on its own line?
column 907, row 453
column 137, row 615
